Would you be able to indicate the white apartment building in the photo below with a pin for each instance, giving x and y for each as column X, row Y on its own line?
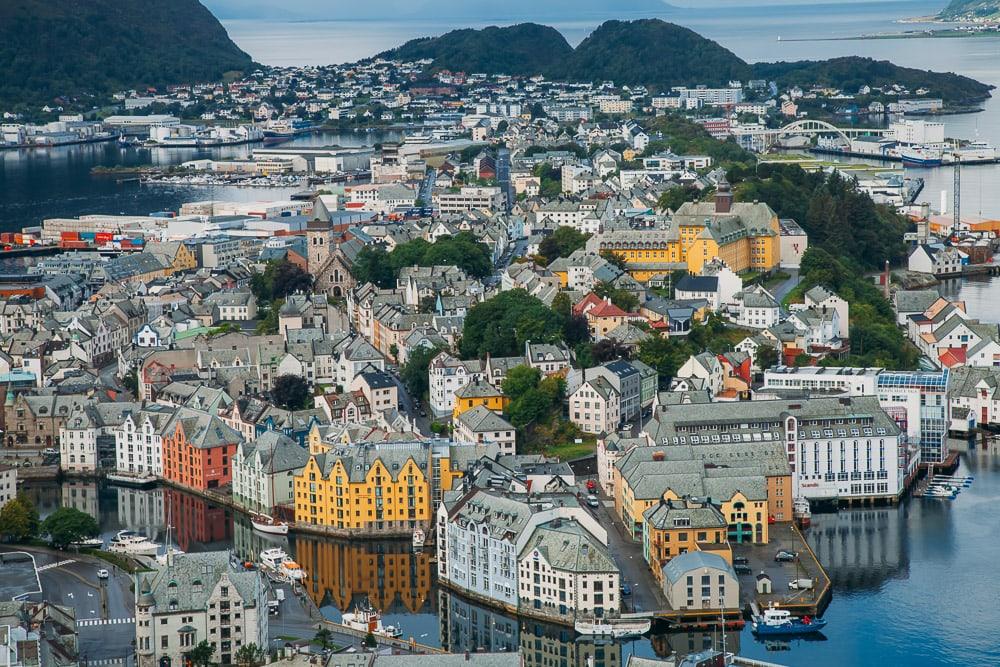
column 615, row 106
column 482, row 425
column 482, row 534
column 595, row 406
column 713, row 97
column 8, row 484
column 446, row 375
column 908, row 131
column 198, row 597
column 488, row 199
column 139, row 441
column 565, row 571
column 264, row 470
column 78, row 443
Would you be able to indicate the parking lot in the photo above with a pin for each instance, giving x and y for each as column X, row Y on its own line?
column 18, row 577
column 783, row 537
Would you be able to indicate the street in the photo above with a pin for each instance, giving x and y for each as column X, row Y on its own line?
column 780, row 291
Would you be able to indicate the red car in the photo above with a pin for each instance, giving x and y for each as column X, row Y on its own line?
column 591, row 485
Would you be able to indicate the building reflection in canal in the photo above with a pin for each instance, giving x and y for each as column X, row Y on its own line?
column 862, row 548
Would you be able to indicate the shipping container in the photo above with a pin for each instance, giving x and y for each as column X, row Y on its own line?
column 74, row 245
column 70, row 236
column 102, row 237
column 87, row 236
column 7, row 237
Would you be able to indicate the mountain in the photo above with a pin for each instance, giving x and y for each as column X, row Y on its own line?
column 67, row 48
column 970, row 9
column 660, row 55
column 851, row 72
column 650, row 52
column 520, row 50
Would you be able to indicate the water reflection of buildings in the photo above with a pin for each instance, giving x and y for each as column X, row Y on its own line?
column 467, row 626
column 389, row 574
column 860, row 549
column 197, row 524
column 686, row 643
column 141, row 510
column 81, row 495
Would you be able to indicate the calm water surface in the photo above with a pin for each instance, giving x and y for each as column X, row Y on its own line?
column 913, row 584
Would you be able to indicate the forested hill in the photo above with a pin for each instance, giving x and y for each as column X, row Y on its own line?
column 67, row 48
column 970, row 9
column 660, row 55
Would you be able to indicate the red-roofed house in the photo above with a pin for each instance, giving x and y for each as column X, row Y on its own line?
column 602, row 315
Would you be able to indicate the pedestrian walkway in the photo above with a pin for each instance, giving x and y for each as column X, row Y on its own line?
column 107, row 662
column 87, row 622
column 53, row 565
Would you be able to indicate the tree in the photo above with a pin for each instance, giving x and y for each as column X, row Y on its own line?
column 624, row 299
column 500, row 326
column 767, row 357
column 664, row 354
column 370, row 640
column 268, row 325
column 428, row 304
column 323, row 636
column 251, row 655
column 290, row 392
column 131, row 381
column 614, row 260
column 520, row 380
column 372, row 266
column 279, row 279
column 18, row 520
column 68, row 525
column 414, row 372
column 201, row 655
column 563, row 242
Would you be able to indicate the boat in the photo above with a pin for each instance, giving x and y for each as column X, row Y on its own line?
column 935, row 492
column 776, row 621
column 276, row 560
column 919, row 156
column 131, row 543
column 269, row 525
column 92, row 543
column 801, row 512
column 418, row 539
column 131, row 480
column 365, row 618
column 613, row 627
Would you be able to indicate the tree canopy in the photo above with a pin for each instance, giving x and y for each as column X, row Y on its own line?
column 18, row 520
column 414, row 372
column 563, row 242
column 279, row 279
column 500, row 326
column 373, row 264
column 68, row 525
column 290, row 392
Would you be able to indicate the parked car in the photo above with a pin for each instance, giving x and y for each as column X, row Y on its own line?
column 103, row 574
column 741, row 560
column 800, row 584
column 784, row 556
column 49, row 451
column 626, row 589
column 593, row 501
column 591, row 485
column 742, row 569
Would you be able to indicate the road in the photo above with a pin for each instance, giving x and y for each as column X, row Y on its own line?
column 408, row 406
column 780, row 291
column 109, row 376
column 427, row 187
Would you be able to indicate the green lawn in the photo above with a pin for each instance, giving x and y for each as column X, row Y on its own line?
column 568, row 451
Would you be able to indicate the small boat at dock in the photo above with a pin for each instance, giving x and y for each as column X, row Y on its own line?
column 131, row 543
column 801, row 512
column 279, row 563
column 778, row 622
column 367, row 619
column 617, row 628
column 269, row 525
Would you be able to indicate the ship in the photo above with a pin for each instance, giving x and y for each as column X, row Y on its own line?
column 920, row 156
column 364, row 618
column 780, row 622
column 132, row 544
column 801, row 512
column 617, row 628
column 265, row 524
column 278, row 562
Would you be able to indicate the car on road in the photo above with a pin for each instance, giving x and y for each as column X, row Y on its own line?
column 741, row 560
column 593, row 501
column 49, row 451
column 784, row 556
column 742, row 569
column 591, row 485
column 626, row 589
column 103, row 574
column 423, row 413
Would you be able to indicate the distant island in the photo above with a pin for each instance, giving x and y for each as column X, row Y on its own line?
column 63, row 49
column 659, row 55
column 971, row 10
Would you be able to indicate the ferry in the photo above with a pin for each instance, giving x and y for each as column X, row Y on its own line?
column 366, row 619
column 972, row 153
column 781, row 622
column 132, row 544
column 920, row 156
column 276, row 560
column 613, row 627
column 269, row 525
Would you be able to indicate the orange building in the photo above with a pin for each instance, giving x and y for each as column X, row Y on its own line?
column 198, row 449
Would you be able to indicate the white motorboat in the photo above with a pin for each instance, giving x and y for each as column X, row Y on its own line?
column 366, row 619
column 418, row 539
column 269, row 525
column 92, row 543
column 131, row 543
column 613, row 627
column 802, row 512
column 276, row 560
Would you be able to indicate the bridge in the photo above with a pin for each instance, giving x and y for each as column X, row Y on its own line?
column 764, row 138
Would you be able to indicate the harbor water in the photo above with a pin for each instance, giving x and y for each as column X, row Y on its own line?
column 916, row 576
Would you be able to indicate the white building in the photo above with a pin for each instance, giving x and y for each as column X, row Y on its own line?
column 755, row 308
column 198, row 597
column 482, row 425
column 8, row 484
column 936, row 259
column 139, row 441
column 821, row 298
column 595, row 406
column 488, row 199
column 700, row 580
column 446, row 375
column 264, row 469
column 917, row 132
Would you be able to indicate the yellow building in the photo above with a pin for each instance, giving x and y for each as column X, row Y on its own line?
column 747, row 236
column 476, row 393
column 177, row 256
column 675, row 527
column 380, row 486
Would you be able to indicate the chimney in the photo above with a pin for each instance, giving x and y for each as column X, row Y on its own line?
column 723, row 196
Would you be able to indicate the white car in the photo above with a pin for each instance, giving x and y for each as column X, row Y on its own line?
column 103, row 574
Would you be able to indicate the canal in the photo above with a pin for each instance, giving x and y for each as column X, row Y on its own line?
column 913, row 584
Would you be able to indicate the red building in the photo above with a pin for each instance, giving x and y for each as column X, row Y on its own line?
column 198, row 449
